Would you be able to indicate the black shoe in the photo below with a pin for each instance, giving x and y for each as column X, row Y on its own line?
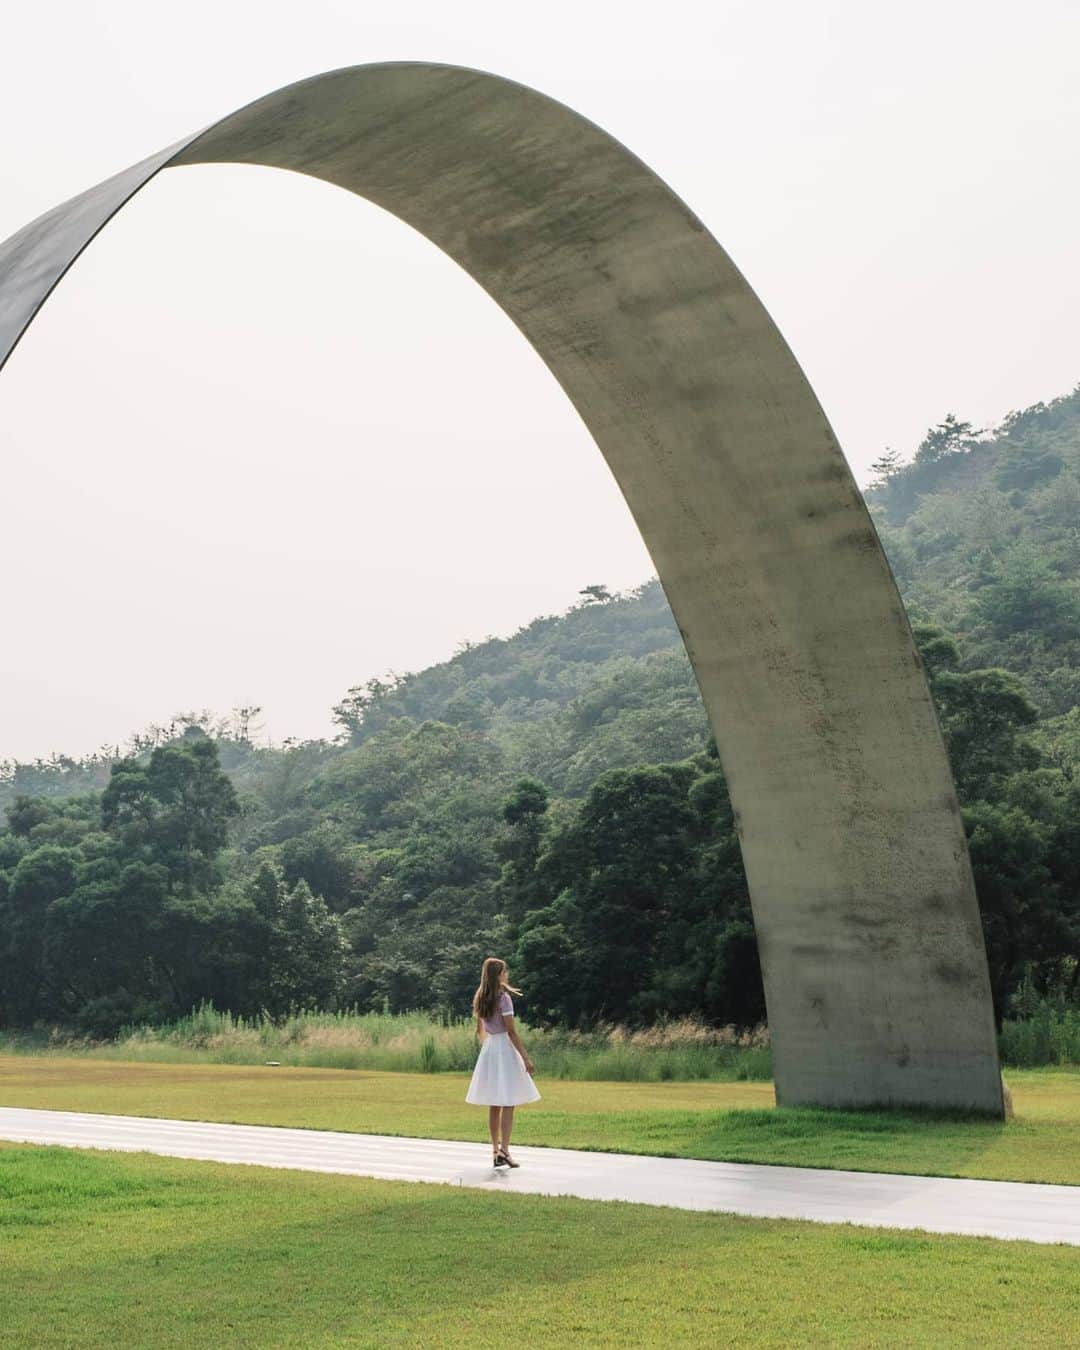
column 505, row 1158
column 500, row 1161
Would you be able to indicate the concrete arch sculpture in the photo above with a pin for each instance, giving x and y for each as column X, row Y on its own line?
column 872, row 950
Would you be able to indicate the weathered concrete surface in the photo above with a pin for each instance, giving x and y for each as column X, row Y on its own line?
column 875, row 969
column 1001, row 1209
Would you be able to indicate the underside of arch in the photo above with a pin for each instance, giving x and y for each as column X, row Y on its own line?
column 868, row 926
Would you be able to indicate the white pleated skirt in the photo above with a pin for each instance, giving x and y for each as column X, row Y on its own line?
column 500, row 1077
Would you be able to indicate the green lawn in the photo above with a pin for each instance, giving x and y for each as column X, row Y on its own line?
column 729, row 1121
column 131, row 1250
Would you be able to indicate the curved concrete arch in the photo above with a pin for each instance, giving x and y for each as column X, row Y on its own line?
column 871, row 943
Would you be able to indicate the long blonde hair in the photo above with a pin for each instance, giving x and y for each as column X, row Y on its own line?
column 493, row 982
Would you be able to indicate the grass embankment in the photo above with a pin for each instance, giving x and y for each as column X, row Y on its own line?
column 105, row 1250
column 733, row 1122
column 683, row 1051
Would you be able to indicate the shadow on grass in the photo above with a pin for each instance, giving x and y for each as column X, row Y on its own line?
column 927, row 1143
column 211, row 1255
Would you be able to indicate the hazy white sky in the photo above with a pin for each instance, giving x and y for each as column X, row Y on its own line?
column 265, row 442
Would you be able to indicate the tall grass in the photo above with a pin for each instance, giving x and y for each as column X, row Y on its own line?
column 686, row 1050
column 676, row 1051
column 1044, row 1026
column 1048, row 1035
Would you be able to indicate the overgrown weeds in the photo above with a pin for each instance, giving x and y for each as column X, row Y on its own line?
column 675, row 1051
column 1044, row 1033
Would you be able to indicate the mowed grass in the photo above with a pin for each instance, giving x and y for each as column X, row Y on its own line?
column 735, row 1122
column 131, row 1250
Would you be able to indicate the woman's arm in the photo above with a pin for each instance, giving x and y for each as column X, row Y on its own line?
column 515, row 1040
column 480, row 1027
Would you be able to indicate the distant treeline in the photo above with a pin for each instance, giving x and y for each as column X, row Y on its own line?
column 554, row 797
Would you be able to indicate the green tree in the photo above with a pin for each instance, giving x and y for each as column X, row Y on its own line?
column 326, row 859
column 525, row 817
column 301, row 951
column 552, row 963
column 985, row 715
column 626, row 858
column 949, row 437
column 938, row 650
column 25, row 813
column 105, row 957
column 707, row 962
column 885, row 468
column 176, row 808
column 41, row 878
column 1022, row 921
column 595, row 595
column 1022, row 465
column 364, row 708
column 1026, row 593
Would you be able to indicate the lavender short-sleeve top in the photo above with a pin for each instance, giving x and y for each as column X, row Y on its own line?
column 494, row 1025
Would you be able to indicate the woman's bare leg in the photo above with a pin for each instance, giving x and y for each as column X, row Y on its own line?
column 507, row 1125
column 493, row 1125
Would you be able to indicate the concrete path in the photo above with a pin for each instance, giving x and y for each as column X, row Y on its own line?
column 1002, row 1209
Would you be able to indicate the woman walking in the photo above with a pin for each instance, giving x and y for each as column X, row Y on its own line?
column 502, row 1078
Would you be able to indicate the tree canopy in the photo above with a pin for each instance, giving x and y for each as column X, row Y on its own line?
column 554, row 797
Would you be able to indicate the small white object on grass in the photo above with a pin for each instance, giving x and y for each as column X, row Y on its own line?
column 273, row 1064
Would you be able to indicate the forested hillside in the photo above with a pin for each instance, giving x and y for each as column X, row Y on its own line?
column 553, row 796
column 983, row 533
